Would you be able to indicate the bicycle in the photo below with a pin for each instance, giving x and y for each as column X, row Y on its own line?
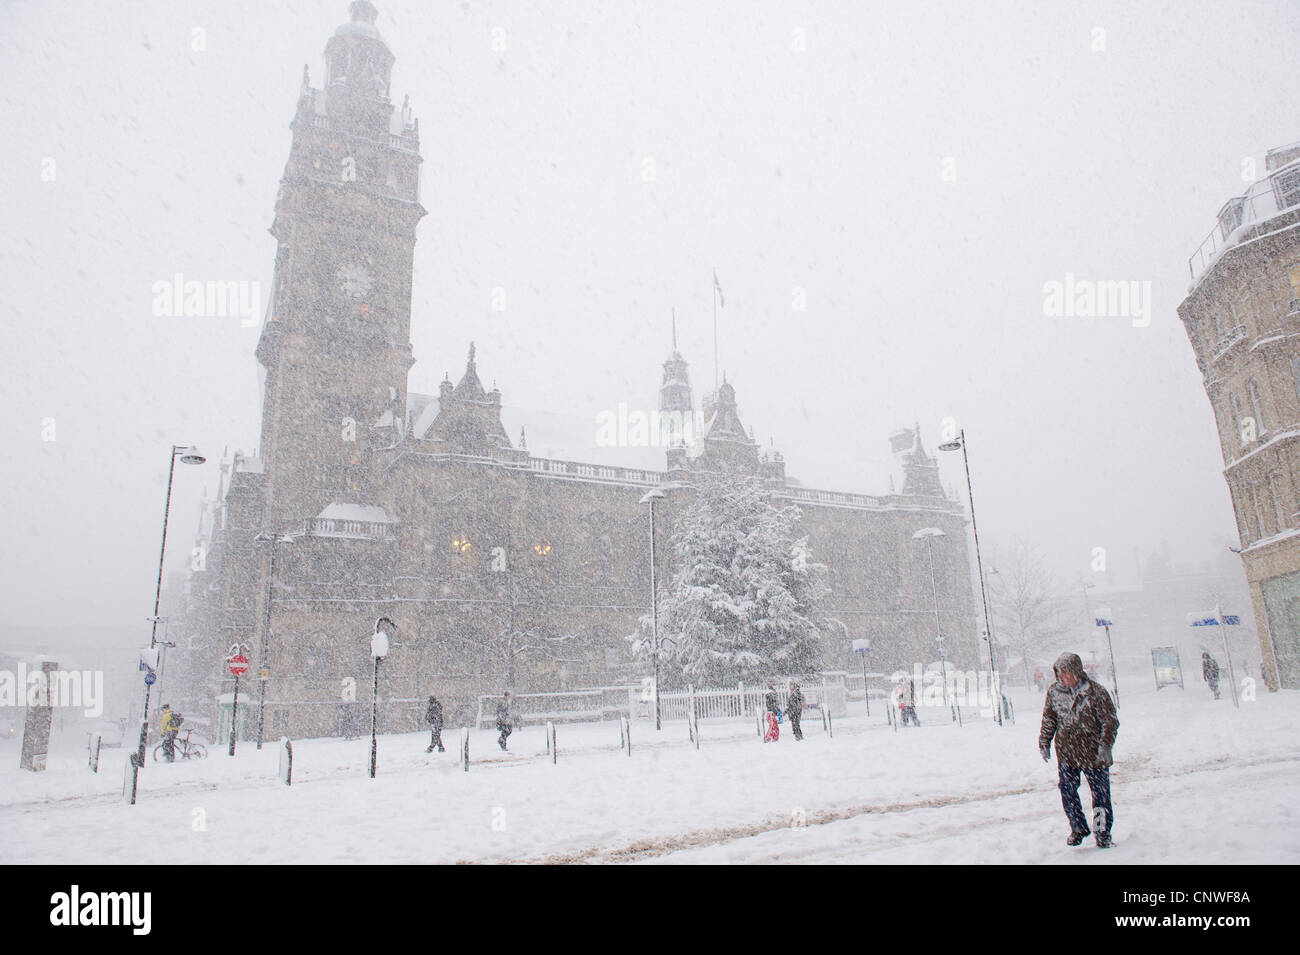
column 185, row 748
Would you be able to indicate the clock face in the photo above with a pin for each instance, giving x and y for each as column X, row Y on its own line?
column 355, row 282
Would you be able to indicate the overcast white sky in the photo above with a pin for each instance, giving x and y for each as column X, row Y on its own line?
column 817, row 169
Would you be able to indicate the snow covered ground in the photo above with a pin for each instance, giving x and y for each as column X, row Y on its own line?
column 1195, row 782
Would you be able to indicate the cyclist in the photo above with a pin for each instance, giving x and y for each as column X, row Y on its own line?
column 171, row 725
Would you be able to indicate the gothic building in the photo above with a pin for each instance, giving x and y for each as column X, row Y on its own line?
column 497, row 567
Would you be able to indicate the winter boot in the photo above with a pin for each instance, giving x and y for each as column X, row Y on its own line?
column 430, row 749
column 1076, row 838
column 1103, row 840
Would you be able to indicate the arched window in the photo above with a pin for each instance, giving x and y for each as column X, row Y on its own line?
column 1256, row 406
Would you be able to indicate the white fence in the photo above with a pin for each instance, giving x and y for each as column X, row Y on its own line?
column 633, row 701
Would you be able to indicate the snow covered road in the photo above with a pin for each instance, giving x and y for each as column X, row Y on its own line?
column 1195, row 781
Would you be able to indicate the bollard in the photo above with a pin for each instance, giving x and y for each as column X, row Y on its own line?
column 550, row 740
column 464, row 748
column 95, row 741
column 130, row 778
column 286, row 760
column 625, row 735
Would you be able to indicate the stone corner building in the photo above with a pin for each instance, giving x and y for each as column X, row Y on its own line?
column 498, row 568
column 1242, row 315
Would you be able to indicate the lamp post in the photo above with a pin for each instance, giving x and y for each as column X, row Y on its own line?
column 928, row 534
column 979, row 565
column 188, row 455
column 650, row 497
column 266, row 630
column 378, row 650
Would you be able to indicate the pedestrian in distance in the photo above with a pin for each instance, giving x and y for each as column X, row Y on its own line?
column 505, row 725
column 905, row 700
column 1079, row 716
column 794, row 709
column 1210, row 672
column 772, row 704
column 433, row 716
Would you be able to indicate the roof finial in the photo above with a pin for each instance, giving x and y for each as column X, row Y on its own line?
column 471, row 354
column 674, row 328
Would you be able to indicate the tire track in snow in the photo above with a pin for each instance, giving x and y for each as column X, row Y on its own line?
column 718, row 835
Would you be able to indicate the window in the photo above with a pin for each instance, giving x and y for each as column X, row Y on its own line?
column 1257, row 509
column 1286, row 187
column 1275, row 490
column 1256, row 406
column 1238, row 425
column 462, row 554
column 1294, row 275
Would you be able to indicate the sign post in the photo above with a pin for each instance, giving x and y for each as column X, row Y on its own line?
column 1103, row 619
column 862, row 648
column 238, row 664
column 1217, row 618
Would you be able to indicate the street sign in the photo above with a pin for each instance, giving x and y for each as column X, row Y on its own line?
column 150, row 678
column 1104, row 618
column 861, row 646
column 1209, row 619
column 266, row 673
column 238, row 664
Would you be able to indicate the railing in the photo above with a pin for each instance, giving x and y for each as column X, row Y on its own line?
column 594, row 472
column 1271, row 196
column 333, row 527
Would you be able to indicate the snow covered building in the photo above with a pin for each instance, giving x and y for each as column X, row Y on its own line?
column 498, row 567
column 1242, row 315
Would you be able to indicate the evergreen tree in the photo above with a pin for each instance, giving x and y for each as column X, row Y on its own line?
column 744, row 602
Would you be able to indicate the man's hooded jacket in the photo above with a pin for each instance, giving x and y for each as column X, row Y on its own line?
column 1081, row 719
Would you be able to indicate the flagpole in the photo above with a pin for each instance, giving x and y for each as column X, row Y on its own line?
column 716, row 382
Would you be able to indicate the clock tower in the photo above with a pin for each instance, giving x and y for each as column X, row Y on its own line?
column 336, row 342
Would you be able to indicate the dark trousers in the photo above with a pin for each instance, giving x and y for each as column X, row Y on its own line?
column 506, row 729
column 909, row 713
column 1099, row 783
column 794, row 723
column 435, row 739
column 169, row 746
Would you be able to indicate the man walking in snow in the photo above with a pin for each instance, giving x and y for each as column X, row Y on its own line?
column 433, row 716
column 1080, row 716
column 1210, row 672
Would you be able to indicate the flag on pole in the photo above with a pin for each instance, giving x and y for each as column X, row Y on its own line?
column 904, row 440
column 718, row 288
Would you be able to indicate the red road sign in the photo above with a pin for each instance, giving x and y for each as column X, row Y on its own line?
column 238, row 664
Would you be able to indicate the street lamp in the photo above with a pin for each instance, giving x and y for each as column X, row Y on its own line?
column 928, row 534
column 188, row 455
column 960, row 443
column 378, row 650
column 263, row 668
column 650, row 497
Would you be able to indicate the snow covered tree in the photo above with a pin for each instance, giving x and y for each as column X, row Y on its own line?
column 1030, row 608
column 744, row 601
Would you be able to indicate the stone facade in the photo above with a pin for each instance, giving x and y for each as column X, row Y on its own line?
column 1242, row 316
column 497, row 567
